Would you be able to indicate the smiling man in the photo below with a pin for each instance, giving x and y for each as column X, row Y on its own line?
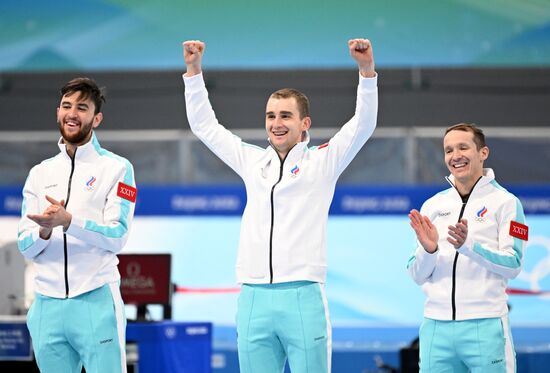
column 77, row 211
column 470, row 242
column 282, row 309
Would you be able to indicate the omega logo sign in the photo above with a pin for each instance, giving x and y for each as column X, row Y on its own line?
column 133, row 269
column 135, row 281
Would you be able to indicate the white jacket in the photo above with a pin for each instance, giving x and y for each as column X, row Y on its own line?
column 283, row 228
column 487, row 259
column 100, row 222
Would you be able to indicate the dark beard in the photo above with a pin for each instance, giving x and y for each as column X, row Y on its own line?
column 78, row 138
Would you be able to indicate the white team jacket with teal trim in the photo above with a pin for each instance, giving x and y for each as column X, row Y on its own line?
column 100, row 219
column 283, row 228
column 488, row 258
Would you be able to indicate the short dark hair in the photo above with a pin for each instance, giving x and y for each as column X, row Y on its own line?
column 87, row 88
column 479, row 136
column 301, row 99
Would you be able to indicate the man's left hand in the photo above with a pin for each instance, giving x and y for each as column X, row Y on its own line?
column 458, row 233
column 54, row 215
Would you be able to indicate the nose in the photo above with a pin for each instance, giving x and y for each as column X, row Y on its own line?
column 277, row 121
column 72, row 112
column 456, row 154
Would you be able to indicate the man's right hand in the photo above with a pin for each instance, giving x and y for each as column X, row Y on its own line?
column 361, row 51
column 54, row 215
column 192, row 55
column 425, row 231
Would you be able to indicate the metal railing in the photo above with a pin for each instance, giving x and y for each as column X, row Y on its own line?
column 396, row 155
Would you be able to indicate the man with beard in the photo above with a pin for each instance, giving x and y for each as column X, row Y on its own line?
column 470, row 243
column 282, row 309
column 76, row 214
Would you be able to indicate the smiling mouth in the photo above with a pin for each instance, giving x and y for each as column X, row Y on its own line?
column 459, row 165
column 279, row 133
column 72, row 124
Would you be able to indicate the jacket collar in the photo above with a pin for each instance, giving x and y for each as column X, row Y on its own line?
column 83, row 151
column 295, row 152
column 488, row 176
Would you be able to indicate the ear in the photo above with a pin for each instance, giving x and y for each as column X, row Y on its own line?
column 484, row 153
column 306, row 123
column 97, row 120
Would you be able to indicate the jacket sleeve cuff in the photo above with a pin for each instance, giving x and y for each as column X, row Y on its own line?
column 193, row 83
column 425, row 258
column 33, row 245
column 75, row 227
column 368, row 84
column 466, row 247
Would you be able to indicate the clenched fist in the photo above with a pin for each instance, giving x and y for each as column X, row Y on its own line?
column 192, row 55
column 361, row 51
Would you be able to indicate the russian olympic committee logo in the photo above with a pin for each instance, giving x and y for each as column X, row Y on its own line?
column 480, row 215
column 295, row 171
column 90, row 184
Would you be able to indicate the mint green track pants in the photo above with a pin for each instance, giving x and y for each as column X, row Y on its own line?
column 280, row 321
column 476, row 346
column 85, row 330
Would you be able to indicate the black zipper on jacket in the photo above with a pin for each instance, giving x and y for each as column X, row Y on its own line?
column 453, row 300
column 64, row 234
column 453, row 290
column 273, row 219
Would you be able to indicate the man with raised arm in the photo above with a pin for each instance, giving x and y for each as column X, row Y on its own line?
column 282, row 309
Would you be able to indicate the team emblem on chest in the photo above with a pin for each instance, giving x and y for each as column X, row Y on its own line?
column 480, row 215
column 294, row 171
column 90, row 184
